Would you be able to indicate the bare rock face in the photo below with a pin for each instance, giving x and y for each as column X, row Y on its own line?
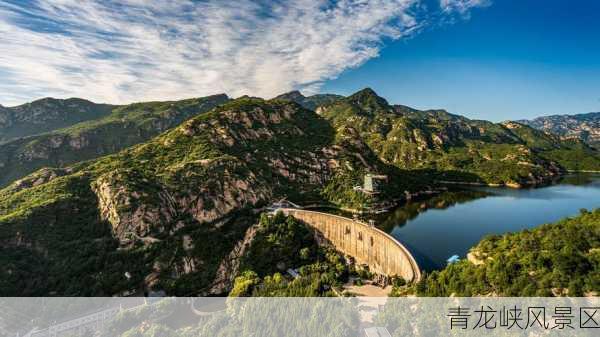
column 79, row 142
column 229, row 267
column 129, row 209
column 136, row 207
column 208, row 207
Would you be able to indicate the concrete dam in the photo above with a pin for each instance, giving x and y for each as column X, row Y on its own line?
column 366, row 244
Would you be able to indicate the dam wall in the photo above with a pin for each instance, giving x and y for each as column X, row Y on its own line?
column 366, row 244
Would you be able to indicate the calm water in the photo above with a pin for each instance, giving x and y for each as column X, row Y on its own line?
column 453, row 222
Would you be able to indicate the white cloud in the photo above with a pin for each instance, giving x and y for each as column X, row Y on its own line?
column 135, row 50
column 462, row 6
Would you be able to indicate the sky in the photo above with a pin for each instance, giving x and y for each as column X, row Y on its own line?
column 510, row 60
column 487, row 59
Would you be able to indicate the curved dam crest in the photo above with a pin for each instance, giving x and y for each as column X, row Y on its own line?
column 366, row 244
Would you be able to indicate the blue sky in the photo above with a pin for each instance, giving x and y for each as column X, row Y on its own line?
column 511, row 60
column 486, row 59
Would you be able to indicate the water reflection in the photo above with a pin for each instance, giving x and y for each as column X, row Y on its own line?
column 399, row 216
column 581, row 179
column 452, row 222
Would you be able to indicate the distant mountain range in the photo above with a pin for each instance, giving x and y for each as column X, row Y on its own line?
column 505, row 153
column 47, row 114
column 56, row 133
column 310, row 102
column 582, row 126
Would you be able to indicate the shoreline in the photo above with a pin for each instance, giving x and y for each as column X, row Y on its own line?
column 529, row 184
column 538, row 183
column 394, row 203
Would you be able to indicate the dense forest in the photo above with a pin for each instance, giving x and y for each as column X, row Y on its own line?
column 283, row 243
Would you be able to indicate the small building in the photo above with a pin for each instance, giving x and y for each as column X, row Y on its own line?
column 373, row 183
column 377, row 332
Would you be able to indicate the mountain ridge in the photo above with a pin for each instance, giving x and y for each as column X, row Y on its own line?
column 47, row 114
column 309, row 102
column 123, row 126
column 585, row 126
column 435, row 139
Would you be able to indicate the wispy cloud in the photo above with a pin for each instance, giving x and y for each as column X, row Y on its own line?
column 462, row 6
column 133, row 50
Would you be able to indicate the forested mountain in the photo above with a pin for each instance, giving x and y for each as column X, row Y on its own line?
column 47, row 114
column 508, row 153
column 174, row 212
column 169, row 211
column 113, row 130
column 582, row 126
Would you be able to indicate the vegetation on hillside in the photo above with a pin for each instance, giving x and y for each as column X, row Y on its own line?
column 456, row 148
column 46, row 115
column 263, row 317
column 98, row 135
column 166, row 212
column 585, row 127
column 283, row 243
column 551, row 260
column 572, row 154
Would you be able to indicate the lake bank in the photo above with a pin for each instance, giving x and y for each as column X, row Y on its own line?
column 451, row 223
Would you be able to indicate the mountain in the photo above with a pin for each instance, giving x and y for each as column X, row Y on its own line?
column 170, row 212
column 121, row 127
column 47, row 114
column 177, row 211
column 509, row 153
column 571, row 154
column 582, row 126
column 310, row 102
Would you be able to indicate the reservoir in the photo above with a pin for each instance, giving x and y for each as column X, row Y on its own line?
column 452, row 222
